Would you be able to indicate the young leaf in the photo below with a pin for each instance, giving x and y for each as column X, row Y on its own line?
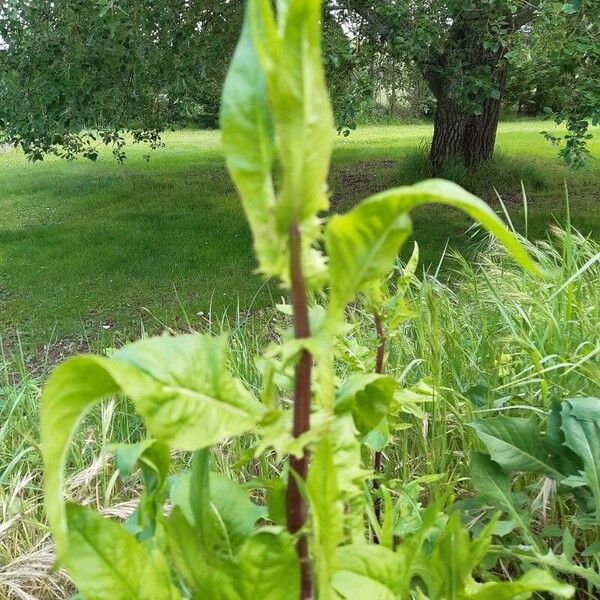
column 302, row 114
column 326, row 513
column 248, row 142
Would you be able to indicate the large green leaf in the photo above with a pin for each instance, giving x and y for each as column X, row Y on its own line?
column 516, row 444
column 581, row 428
column 180, row 386
column 363, row 244
column 367, row 397
column 107, row 563
column 366, row 571
column 187, row 396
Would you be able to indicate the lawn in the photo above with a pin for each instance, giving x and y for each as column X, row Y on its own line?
column 88, row 248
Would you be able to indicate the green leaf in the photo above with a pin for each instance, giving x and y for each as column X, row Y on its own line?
column 367, row 571
column 377, row 439
column 180, row 386
column 107, row 563
column 533, row 581
column 367, row 397
column 516, row 444
column 207, row 575
column 185, row 392
column 581, row 428
column 218, row 508
column 269, row 567
column 152, row 453
column 302, row 114
column 248, row 142
column 363, row 244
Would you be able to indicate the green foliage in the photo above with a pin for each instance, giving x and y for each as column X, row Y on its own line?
column 217, row 542
column 76, row 74
column 565, row 449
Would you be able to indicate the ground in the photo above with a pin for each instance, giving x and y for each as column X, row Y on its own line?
column 89, row 249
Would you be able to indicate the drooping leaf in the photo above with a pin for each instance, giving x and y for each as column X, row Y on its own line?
column 181, row 386
column 531, row 582
column 107, row 563
column 363, row 244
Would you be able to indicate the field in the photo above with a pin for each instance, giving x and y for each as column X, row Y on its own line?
column 90, row 250
column 94, row 255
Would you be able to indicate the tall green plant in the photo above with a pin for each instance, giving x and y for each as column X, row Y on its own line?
column 311, row 536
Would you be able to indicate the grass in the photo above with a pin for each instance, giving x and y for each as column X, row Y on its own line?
column 111, row 250
column 489, row 338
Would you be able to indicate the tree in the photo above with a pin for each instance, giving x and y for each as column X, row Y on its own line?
column 462, row 48
column 72, row 70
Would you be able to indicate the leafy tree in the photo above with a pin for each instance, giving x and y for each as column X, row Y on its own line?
column 74, row 69
column 463, row 47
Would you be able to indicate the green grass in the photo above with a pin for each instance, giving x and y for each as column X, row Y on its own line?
column 109, row 248
column 490, row 338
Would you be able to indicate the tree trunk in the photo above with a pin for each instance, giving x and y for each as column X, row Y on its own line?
column 448, row 133
column 480, row 130
column 463, row 136
column 480, row 134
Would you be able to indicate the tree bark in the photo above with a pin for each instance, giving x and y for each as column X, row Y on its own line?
column 458, row 134
column 481, row 130
column 448, row 133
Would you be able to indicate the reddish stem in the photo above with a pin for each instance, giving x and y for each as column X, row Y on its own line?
column 296, row 507
column 377, row 463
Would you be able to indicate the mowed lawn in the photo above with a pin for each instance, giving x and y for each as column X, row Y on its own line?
column 88, row 248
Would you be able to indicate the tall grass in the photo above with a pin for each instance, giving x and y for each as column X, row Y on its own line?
column 487, row 338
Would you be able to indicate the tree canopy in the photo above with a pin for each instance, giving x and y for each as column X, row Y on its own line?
column 75, row 72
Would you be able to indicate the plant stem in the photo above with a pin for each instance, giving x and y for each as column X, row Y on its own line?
column 296, row 507
column 377, row 466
